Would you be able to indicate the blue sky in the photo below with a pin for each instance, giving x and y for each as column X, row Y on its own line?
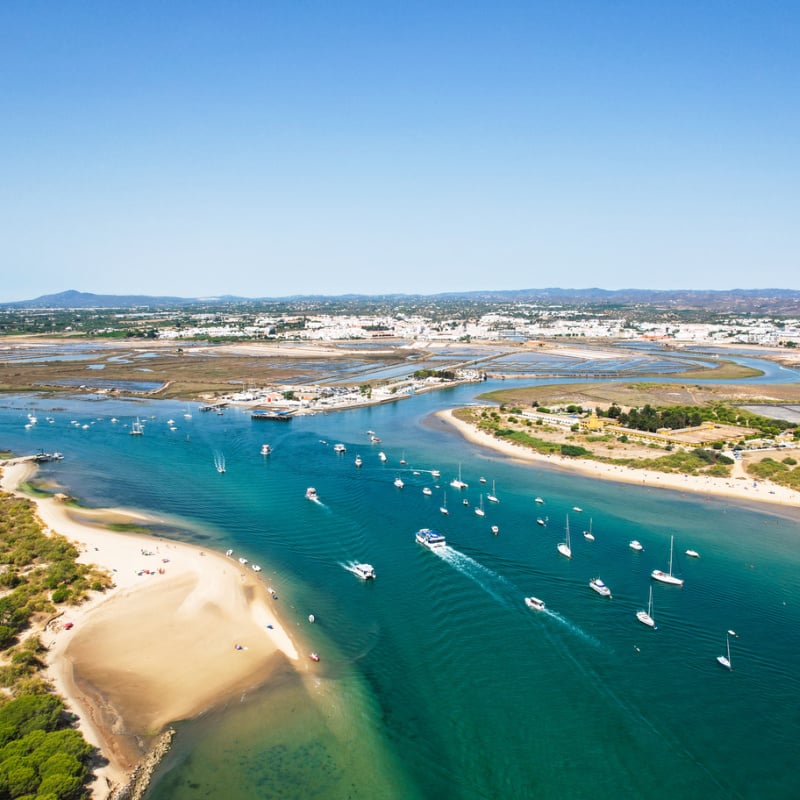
column 293, row 146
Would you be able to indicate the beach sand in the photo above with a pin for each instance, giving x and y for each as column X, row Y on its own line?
column 737, row 487
column 183, row 629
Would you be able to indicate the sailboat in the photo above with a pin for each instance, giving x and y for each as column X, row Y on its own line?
column 443, row 506
column 493, row 498
column 725, row 661
column 667, row 577
column 588, row 534
column 457, row 483
column 646, row 617
column 137, row 429
column 479, row 510
column 564, row 547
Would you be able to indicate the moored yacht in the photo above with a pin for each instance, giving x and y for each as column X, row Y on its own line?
column 430, row 538
column 339, row 448
column 635, row 544
column 398, row 482
column 667, row 577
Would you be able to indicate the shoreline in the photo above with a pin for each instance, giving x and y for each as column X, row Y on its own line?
column 182, row 630
column 746, row 491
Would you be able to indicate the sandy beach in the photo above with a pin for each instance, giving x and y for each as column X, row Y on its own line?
column 183, row 629
column 736, row 487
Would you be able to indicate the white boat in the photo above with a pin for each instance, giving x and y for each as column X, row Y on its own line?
column 242, row 560
column 265, row 449
column 364, row 571
column 725, row 661
column 540, row 521
column 358, row 462
column 635, row 544
column 430, row 538
column 535, row 603
column 403, row 457
column 339, row 448
column 229, row 553
column 170, row 422
column 479, row 510
column 493, row 498
column 427, row 490
column 374, row 439
column 311, row 493
column 578, row 509
column 482, row 479
column 219, row 462
column 495, row 530
column 667, row 577
column 137, row 429
column 435, row 473
column 398, row 482
column 256, row 568
column 457, row 483
column 646, row 617
column 539, row 500
column 563, row 547
column 693, row 553
column 443, row 506
column 588, row 534
column 382, row 456
column 600, row 587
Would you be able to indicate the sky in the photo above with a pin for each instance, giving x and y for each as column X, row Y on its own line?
column 267, row 148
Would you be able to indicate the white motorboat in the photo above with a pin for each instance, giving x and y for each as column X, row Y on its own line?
column 435, row 473
column 382, row 456
column 646, row 617
column 693, row 553
column 430, row 538
column 427, row 490
column 540, row 521
column 667, row 577
column 358, row 462
column 564, row 547
column 242, row 560
column 398, row 482
column 578, row 509
column 495, row 530
column 339, row 448
column 265, row 449
column 635, row 544
column 600, row 587
column 255, row 568
column 311, row 493
column 364, row 571
column 535, row 603
column 539, row 501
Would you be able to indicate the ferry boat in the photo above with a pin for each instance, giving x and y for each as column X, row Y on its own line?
column 365, row 571
column 600, row 587
column 262, row 414
column 535, row 603
column 430, row 538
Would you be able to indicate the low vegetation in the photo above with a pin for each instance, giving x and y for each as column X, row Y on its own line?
column 784, row 473
column 42, row 757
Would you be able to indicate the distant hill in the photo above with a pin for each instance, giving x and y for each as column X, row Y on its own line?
column 757, row 301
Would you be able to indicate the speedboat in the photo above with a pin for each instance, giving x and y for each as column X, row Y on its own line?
column 539, row 500
column 600, row 587
column 265, row 449
column 577, row 508
column 398, row 482
column 365, row 571
column 382, row 456
column 311, row 493
column 693, row 553
column 495, row 530
column 358, row 461
column 435, row 473
column 430, row 538
column 540, row 521
column 339, row 448
column 535, row 603
column 635, row 544
column 427, row 490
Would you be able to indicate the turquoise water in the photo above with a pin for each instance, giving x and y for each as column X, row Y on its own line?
column 435, row 680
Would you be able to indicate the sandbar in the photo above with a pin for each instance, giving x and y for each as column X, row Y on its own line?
column 183, row 629
column 737, row 487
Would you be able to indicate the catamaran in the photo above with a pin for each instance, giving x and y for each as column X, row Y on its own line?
column 667, row 577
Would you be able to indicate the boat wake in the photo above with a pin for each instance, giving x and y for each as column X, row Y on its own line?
column 573, row 628
column 219, row 461
column 492, row 583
